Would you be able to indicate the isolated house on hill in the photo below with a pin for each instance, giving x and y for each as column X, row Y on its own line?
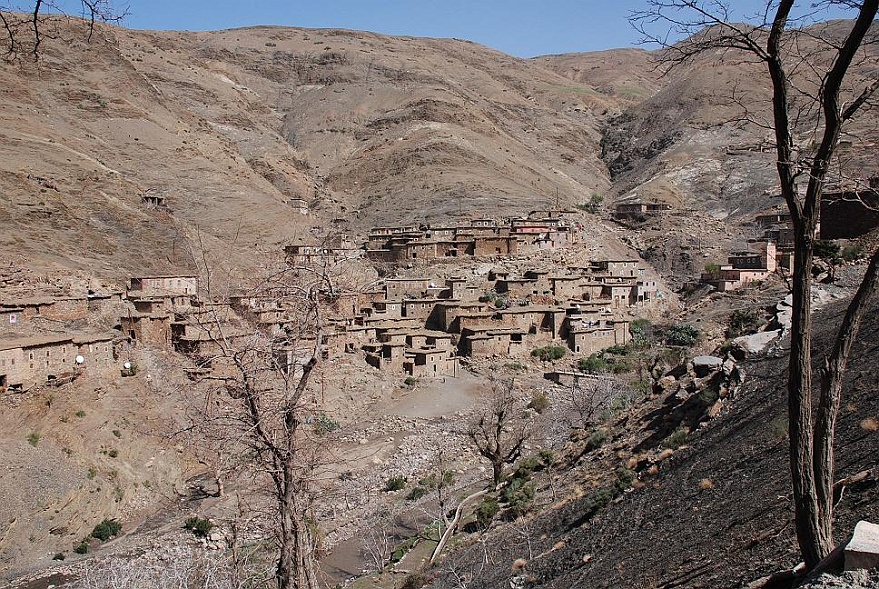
column 744, row 267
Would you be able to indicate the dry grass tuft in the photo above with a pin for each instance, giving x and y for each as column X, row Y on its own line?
column 870, row 425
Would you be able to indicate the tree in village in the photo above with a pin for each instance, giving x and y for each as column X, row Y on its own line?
column 261, row 361
column 26, row 24
column 816, row 93
column 501, row 429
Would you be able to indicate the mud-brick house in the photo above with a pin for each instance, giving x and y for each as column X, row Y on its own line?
column 598, row 336
column 180, row 284
column 644, row 292
column 448, row 313
column 483, row 341
column 568, row 286
column 388, row 356
column 543, row 322
column 147, row 328
column 399, row 288
column 518, row 288
column 98, row 358
column 430, row 362
column 619, row 268
column 418, row 308
column 26, row 362
column 618, row 292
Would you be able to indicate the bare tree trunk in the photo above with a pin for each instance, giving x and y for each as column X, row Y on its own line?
column 811, row 534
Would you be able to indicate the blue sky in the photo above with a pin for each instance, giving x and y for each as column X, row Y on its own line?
column 524, row 28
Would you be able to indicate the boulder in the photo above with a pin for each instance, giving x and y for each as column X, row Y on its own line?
column 862, row 551
column 757, row 342
column 705, row 365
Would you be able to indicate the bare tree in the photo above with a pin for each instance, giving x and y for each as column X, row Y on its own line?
column 25, row 24
column 259, row 397
column 591, row 397
column 814, row 96
column 501, row 429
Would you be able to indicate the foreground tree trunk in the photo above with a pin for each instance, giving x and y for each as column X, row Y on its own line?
column 819, row 116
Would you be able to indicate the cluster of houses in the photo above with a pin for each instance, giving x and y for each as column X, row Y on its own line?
column 35, row 347
column 410, row 326
column 420, row 327
column 480, row 238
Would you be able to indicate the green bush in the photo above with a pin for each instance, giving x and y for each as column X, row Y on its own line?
column 712, row 270
column 594, row 204
column 642, row 332
column 82, row 547
column 681, row 335
column 487, row 511
column 827, row 250
column 33, row 439
column 549, row 353
column 397, row 483
column 409, row 381
column 106, row 529
column 596, row 439
column 519, row 495
column 324, row 424
column 594, row 364
column 539, row 401
column 852, row 253
column 200, row 527
column 416, row 493
column 677, row 438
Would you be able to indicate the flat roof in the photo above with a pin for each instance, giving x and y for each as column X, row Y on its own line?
column 34, row 342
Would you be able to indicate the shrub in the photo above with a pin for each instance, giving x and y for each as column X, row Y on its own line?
column 519, row 495
column 594, row 364
column 549, row 353
column 681, row 335
column 117, row 433
column 539, row 401
column 827, row 250
column 416, row 493
column 852, row 253
column 106, row 530
column 547, row 456
column 409, row 381
column 677, row 438
column 593, row 205
column 113, row 453
column 324, row 424
column 596, row 439
column 200, row 527
column 397, row 483
column 743, row 321
column 80, row 414
column 415, row 581
column 517, row 366
column 712, row 270
column 82, row 547
column 58, row 556
column 33, row 439
column 642, row 332
column 487, row 511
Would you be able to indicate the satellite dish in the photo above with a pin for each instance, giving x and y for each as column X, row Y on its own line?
column 127, row 366
column 79, row 359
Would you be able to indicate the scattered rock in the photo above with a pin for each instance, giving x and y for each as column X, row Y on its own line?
column 862, row 551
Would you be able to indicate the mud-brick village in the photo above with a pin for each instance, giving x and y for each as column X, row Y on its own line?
column 498, row 296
